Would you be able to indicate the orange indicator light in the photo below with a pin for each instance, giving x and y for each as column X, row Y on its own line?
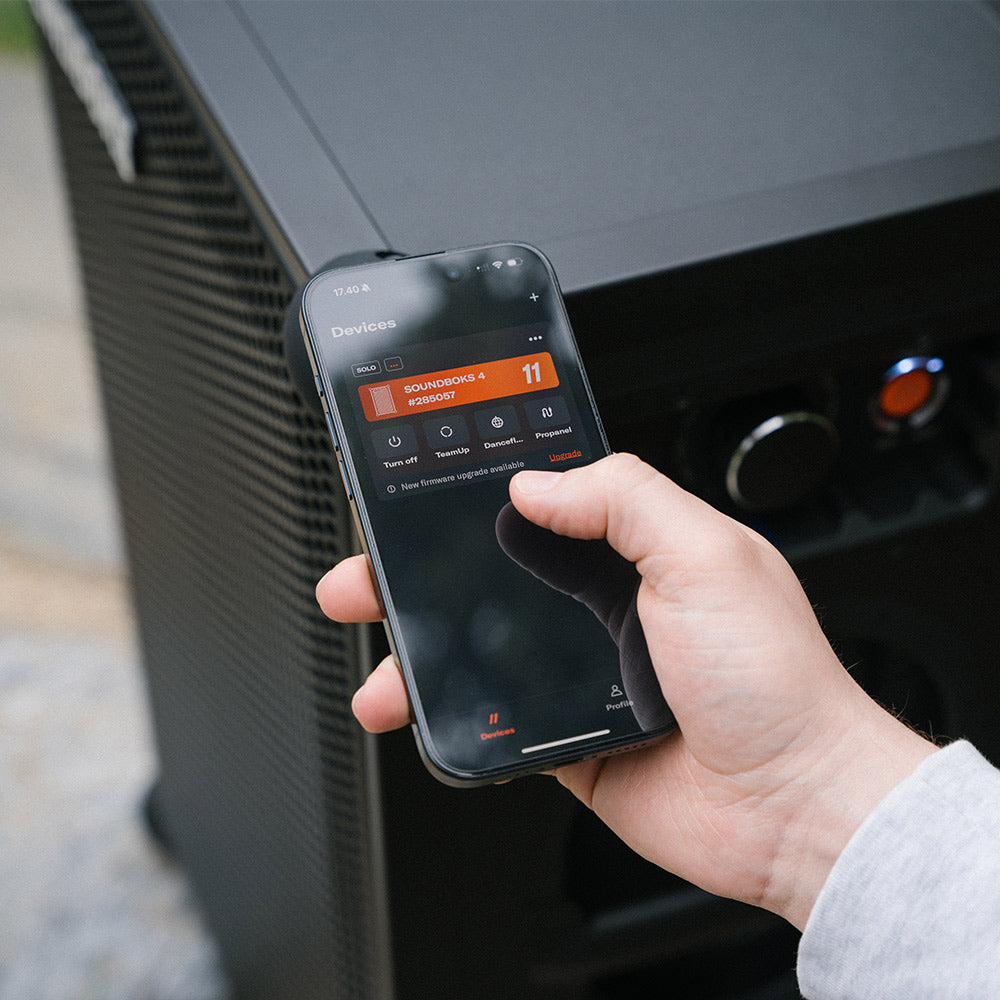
column 905, row 394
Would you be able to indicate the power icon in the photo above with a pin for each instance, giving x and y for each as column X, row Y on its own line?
column 392, row 442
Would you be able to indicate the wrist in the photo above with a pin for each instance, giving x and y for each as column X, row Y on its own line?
column 875, row 752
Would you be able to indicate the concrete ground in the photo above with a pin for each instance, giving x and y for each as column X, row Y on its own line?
column 88, row 907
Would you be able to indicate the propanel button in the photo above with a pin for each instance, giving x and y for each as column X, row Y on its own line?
column 546, row 413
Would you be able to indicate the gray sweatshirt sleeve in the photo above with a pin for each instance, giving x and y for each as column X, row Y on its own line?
column 911, row 909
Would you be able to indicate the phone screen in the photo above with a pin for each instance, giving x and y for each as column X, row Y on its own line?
column 443, row 376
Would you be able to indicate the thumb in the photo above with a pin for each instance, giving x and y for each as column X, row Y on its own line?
column 721, row 609
column 644, row 516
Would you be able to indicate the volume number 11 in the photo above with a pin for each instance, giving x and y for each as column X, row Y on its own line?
column 533, row 372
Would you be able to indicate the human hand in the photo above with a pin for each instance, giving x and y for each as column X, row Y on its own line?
column 779, row 755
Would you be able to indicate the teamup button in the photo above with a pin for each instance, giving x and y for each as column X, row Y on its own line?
column 446, row 432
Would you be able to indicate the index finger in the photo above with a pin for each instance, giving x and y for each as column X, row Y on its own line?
column 347, row 594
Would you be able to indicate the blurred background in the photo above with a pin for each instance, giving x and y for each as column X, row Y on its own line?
column 89, row 907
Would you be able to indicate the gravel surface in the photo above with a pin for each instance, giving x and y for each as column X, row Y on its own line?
column 90, row 908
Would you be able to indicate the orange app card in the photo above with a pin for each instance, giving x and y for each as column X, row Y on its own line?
column 458, row 386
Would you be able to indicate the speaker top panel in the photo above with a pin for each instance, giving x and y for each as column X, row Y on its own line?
column 623, row 138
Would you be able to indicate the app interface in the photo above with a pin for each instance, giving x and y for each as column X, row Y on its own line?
column 503, row 409
column 448, row 376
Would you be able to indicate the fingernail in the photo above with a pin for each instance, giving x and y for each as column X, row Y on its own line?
column 533, row 481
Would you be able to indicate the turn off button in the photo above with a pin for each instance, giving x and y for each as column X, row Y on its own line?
column 392, row 442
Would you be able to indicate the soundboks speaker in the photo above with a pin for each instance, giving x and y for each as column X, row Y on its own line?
column 778, row 228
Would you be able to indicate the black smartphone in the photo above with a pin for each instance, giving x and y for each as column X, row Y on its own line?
column 441, row 376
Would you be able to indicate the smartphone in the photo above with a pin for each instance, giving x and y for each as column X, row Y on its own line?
column 441, row 376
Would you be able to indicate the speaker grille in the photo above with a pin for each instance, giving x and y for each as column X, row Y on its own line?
column 232, row 510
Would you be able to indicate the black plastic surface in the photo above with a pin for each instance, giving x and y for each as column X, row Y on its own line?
column 622, row 138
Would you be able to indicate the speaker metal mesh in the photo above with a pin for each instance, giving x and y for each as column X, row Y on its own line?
column 232, row 510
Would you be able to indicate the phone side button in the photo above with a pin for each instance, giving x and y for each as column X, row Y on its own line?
column 347, row 482
column 333, row 432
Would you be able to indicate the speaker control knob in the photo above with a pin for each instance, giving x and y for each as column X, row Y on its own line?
column 781, row 460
